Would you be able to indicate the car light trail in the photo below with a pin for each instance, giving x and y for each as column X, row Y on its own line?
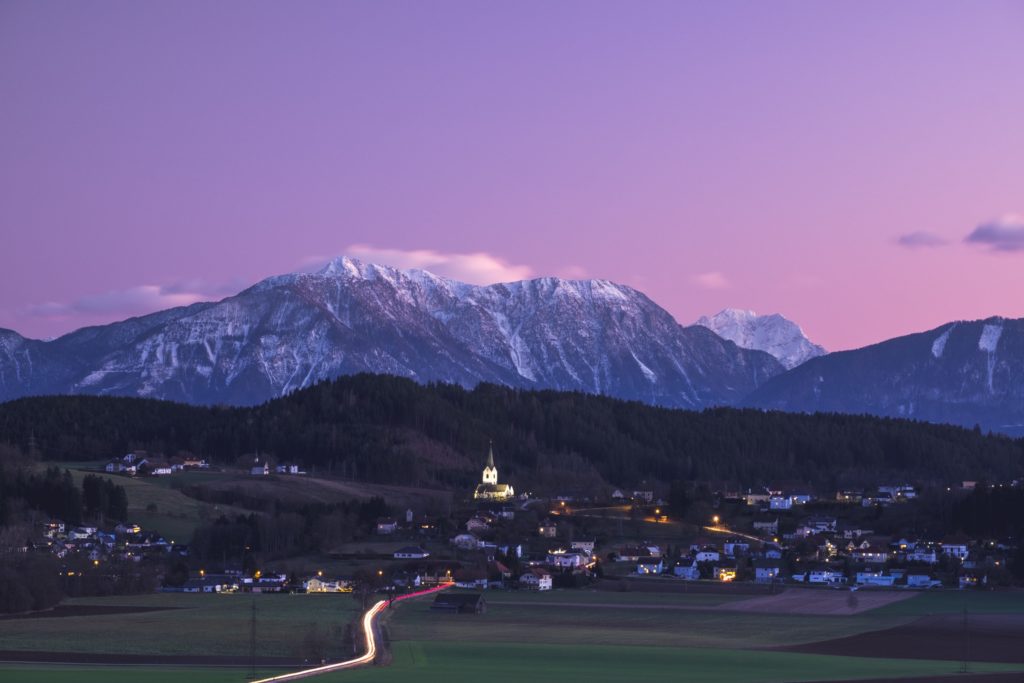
column 371, row 642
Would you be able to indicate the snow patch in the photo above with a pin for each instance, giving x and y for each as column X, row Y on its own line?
column 939, row 345
column 648, row 373
column 990, row 338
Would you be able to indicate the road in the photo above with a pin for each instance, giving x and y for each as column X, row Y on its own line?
column 371, row 642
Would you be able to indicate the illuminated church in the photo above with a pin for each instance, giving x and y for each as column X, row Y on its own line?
column 489, row 488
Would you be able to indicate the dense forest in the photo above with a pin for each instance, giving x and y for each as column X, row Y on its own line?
column 387, row 429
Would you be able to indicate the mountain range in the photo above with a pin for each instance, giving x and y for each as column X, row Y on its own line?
column 291, row 331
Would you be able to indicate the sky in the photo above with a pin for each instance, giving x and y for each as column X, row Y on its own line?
column 855, row 166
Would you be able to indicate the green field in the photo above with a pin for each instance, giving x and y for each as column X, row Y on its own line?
column 515, row 662
column 201, row 624
column 579, row 635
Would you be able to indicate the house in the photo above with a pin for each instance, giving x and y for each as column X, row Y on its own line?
column 470, row 578
column 956, row 546
column 258, row 470
column 736, row 546
column 536, row 579
column 849, row 496
column 922, row 581
column 826, row 576
column 725, row 571
column 707, row 554
column 766, row 571
column 822, row 524
column 687, row 571
column 643, row 496
column 386, row 526
column 767, row 525
column 801, row 498
column 780, row 503
column 161, row 470
column 288, row 468
column 477, row 524
column 318, row 584
column 547, row 529
column 410, row 552
column 923, row 553
column 618, row 495
column 191, row 463
column 566, row 560
column 466, row 542
column 586, row 547
column 870, row 578
column 870, row 553
column 115, row 467
column 459, row 603
column 650, row 566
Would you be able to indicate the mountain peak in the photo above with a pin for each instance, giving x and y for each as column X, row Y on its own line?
column 771, row 333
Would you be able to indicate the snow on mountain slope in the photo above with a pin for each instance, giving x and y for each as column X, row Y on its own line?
column 772, row 334
column 290, row 331
column 964, row 373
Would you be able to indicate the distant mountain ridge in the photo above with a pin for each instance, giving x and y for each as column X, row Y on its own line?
column 966, row 373
column 773, row 334
column 290, row 331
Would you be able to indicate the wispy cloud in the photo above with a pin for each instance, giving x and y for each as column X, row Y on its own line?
column 134, row 300
column 921, row 239
column 478, row 268
column 711, row 280
column 1003, row 234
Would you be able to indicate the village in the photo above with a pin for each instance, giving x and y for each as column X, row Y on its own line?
column 780, row 534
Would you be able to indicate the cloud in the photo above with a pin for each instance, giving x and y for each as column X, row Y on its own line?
column 1003, row 234
column 478, row 268
column 135, row 300
column 712, row 280
column 920, row 239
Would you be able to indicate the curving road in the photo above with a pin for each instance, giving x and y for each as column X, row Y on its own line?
column 371, row 642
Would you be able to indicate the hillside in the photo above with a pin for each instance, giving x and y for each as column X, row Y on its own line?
column 395, row 431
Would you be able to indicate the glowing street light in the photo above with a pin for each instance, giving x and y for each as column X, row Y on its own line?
column 714, row 520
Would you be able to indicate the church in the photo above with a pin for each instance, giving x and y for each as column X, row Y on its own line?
column 489, row 488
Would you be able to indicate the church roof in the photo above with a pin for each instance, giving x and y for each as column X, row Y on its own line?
column 490, row 456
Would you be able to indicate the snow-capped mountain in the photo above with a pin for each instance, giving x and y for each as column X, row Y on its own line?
column 773, row 334
column 290, row 331
column 964, row 373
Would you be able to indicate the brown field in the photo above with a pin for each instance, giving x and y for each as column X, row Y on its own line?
column 987, row 638
column 821, row 601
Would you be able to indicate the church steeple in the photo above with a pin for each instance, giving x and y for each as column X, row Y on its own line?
column 490, row 471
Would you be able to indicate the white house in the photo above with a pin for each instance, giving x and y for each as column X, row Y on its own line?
column 766, row 571
column 734, row 547
column 875, row 579
column 566, row 560
column 536, row 580
column 654, row 565
column 707, row 554
column 386, row 526
column 922, row 581
column 828, row 576
column 955, row 548
column 583, row 546
column 780, row 503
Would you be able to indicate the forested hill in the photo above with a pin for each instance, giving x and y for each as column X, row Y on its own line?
column 387, row 429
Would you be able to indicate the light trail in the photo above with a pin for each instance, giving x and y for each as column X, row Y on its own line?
column 371, row 642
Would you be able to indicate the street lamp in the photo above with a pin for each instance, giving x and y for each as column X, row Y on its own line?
column 714, row 520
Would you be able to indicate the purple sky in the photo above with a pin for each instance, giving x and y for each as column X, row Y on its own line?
column 824, row 160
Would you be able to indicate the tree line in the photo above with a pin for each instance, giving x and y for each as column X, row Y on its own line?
column 392, row 430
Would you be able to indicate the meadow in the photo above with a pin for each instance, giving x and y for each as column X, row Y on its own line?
column 592, row 635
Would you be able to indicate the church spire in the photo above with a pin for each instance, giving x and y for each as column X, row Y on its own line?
column 490, row 454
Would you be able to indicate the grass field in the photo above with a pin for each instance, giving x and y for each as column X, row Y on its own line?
column 191, row 625
column 579, row 635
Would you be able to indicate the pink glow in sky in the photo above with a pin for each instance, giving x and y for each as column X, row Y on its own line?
column 823, row 160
